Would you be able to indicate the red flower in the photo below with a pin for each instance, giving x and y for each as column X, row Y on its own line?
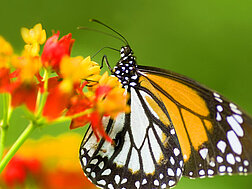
column 4, row 79
column 17, row 170
column 57, row 100
column 24, row 93
column 79, row 103
column 55, row 50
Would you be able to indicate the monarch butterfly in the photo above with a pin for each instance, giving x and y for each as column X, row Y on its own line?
column 176, row 127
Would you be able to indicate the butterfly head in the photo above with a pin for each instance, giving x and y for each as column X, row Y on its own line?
column 126, row 51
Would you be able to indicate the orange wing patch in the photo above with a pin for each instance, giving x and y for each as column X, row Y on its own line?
column 163, row 118
column 182, row 94
column 208, row 125
column 178, row 125
column 195, row 129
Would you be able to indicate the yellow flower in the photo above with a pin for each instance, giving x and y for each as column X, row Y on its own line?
column 114, row 103
column 33, row 38
column 107, row 80
column 34, row 35
column 27, row 65
column 77, row 68
column 5, row 52
column 112, row 98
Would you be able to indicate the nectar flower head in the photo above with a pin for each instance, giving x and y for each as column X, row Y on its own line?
column 77, row 69
column 55, row 50
column 5, row 52
column 111, row 98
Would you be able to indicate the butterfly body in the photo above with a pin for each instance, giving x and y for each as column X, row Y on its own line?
column 176, row 127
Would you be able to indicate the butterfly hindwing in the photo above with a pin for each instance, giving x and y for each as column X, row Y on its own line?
column 146, row 152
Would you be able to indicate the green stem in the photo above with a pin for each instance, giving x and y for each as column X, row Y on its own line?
column 5, row 121
column 2, row 141
column 26, row 133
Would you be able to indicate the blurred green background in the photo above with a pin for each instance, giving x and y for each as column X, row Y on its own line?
column 209, row 41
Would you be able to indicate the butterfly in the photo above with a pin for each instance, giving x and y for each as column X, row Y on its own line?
column 175, row 127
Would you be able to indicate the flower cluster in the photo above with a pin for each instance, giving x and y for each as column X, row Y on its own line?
column 53, row 86
column 56, row 168
column 63, row 94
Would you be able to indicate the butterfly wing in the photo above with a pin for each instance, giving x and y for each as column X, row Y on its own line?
column 146, row 153
column 215, row 136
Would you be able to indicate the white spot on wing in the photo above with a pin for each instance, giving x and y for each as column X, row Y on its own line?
column 137, row 184
column 230, row 158
column 176, row 151
column 219, row 108
column 238, row 118
column 203, row 152
column 222, row 146
column 235, row 126
column 84, row 161
column 156, row 182
column 222, row 168
column 101, row 165
column 219, row 159
column 171, row 182
column 218, row 116
column 117, row 179
column 144, row 182
column 172, row 160
column 170, row 172
column 106, row 172
column 234, row 142
column 101, row 182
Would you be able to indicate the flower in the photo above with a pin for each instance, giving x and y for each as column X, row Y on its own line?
column 107, row 98
column 24, row 93
column 26, row 67
column 33, row 38
column 79, row 68
column 57, row 101
column 72, row 70
column 55, row 50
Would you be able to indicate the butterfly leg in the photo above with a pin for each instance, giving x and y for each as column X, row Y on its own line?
column 104, row 58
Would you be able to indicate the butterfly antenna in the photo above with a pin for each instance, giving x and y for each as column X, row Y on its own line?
column 104, row 48
column 105, row 33
column 97, row 21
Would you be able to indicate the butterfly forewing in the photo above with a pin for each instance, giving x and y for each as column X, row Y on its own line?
column 214, row 134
